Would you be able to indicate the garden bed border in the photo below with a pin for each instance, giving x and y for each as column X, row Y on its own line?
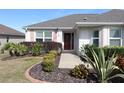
column 30, row 78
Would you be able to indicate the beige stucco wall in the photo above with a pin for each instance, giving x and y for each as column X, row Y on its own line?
column 84, row 36
column 104, row 36
column 30, row 36
column 122, row 36
column 3, row 40
column 54, row 36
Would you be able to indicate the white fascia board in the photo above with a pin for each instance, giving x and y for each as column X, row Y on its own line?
column 100, row 23
column 78, row 24
column 48, row 27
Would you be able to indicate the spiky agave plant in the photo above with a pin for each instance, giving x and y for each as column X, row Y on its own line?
column 102, row 66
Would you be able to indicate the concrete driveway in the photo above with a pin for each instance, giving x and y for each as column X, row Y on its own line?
column 69, row 60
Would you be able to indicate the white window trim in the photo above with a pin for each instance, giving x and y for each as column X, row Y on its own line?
column 44, row 37
column 95, row 37
column 116, row 38
column 39, row 37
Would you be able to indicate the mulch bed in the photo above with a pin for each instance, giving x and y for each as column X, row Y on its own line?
column 57, row 76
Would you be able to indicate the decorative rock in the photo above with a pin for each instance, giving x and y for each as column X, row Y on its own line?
column 57, row 76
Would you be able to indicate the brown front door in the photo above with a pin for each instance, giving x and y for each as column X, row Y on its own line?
column 68, row 41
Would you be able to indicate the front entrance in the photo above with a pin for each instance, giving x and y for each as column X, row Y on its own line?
column 68, row 41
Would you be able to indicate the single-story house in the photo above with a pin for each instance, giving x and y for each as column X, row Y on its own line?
column 77, row 29
column 8, row 34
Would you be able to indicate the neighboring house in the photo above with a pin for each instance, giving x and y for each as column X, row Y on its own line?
column 75, row 30
column 8, row 34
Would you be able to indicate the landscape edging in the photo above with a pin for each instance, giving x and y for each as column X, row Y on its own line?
column 33, row 80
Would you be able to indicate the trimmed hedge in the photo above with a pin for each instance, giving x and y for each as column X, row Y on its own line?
column 108, row 50
column 47, row 46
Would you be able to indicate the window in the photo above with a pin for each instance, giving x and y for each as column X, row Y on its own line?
column 39, row 34
column 7, row 39
column 96, row 38
column 43, row 35
column 115, row 36
column 40, row 40
column 48, row 36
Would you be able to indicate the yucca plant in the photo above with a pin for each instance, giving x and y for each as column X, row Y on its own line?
column 102, row 66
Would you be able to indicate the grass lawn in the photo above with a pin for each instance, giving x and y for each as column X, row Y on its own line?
column 12, row 69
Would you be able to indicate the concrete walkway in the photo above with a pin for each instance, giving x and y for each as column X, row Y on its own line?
column 69, row 60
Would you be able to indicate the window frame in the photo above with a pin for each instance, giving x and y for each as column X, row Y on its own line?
column 115, row 38
column 94, row 38
column 44, row 37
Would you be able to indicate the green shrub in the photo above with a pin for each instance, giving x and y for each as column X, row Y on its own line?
column 54, row 52
column 36, row 50
column 80, row 71
column 51, row 55
column 11, row 47
column 48, row 64
column 48, row 57
column 111, row 49
column 8, row 46
column 49, row 61
column 108, row 50
column 20, row 50
column 15, row 49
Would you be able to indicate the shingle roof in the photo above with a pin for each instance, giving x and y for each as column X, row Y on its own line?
column 70, row 20
column 5, row 30
column 112, row 16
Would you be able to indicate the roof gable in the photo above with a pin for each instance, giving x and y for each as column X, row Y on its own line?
column 5, row 30
column 70, row 20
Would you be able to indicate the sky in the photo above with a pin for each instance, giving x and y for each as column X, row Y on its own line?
column 18, row 18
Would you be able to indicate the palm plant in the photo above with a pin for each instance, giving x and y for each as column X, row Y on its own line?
column 102, row 66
